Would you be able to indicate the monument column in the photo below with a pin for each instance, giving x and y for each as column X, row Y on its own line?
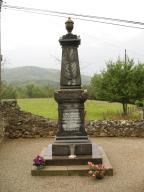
column 70, row 98
column 71, row 145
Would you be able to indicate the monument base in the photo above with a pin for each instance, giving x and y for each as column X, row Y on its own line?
column 63, row 166
column 71, row 145
column 50, row 159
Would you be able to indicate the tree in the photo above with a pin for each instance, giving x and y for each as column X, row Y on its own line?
column 121, row 82
column 8, row 91
column 139, row 81
column 94, row 89
column 34, row 91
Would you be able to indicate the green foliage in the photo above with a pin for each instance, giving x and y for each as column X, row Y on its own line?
column 34, row 91
column 27, row 91
column 8, row 91
column 139, row 81
column 139, row 103
column 94, row 88
column 121, row 82
column 118, row 83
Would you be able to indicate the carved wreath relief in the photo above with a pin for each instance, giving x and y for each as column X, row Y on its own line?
column 70, row 71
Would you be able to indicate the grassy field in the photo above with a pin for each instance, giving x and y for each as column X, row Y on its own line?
column 48, row 108
column 43, row 107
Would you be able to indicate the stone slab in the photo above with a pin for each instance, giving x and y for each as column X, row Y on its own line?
column 64, row 149
column 72, row 170
column 96, row 157
column 50, row 171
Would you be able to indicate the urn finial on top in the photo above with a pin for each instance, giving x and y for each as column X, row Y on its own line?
column 69, row 25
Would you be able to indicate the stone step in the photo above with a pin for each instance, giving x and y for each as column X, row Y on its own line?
column 51, row 159
column 67, row 161
column 71, row 170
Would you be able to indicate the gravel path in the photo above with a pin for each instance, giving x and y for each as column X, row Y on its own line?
column 125, row 154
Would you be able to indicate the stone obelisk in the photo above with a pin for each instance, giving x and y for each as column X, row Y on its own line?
column 71, row 137
column 71, row 145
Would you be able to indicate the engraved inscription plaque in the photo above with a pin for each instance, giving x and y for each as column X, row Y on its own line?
column 71, row 120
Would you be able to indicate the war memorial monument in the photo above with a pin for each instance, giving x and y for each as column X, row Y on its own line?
column 72, row 147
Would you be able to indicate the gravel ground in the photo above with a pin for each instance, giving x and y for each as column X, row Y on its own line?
column 126, row 156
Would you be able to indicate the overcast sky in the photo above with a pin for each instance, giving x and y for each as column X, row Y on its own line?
column 32, row 39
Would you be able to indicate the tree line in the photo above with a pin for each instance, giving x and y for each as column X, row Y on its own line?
column 30, row 90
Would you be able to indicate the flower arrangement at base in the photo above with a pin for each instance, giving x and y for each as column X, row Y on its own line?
column 97, row 170
column 39, row 162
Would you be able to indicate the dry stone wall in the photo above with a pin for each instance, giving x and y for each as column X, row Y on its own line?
column 18, row 123
column 24, row 124
column 116, row 128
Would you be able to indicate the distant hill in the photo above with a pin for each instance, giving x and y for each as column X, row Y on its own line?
column 29, row 74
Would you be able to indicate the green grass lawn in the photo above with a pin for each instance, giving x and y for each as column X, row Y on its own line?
column 98, row 109
column 43, row 107
column 48, row 108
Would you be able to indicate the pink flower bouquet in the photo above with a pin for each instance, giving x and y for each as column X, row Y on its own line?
column 97, row 170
